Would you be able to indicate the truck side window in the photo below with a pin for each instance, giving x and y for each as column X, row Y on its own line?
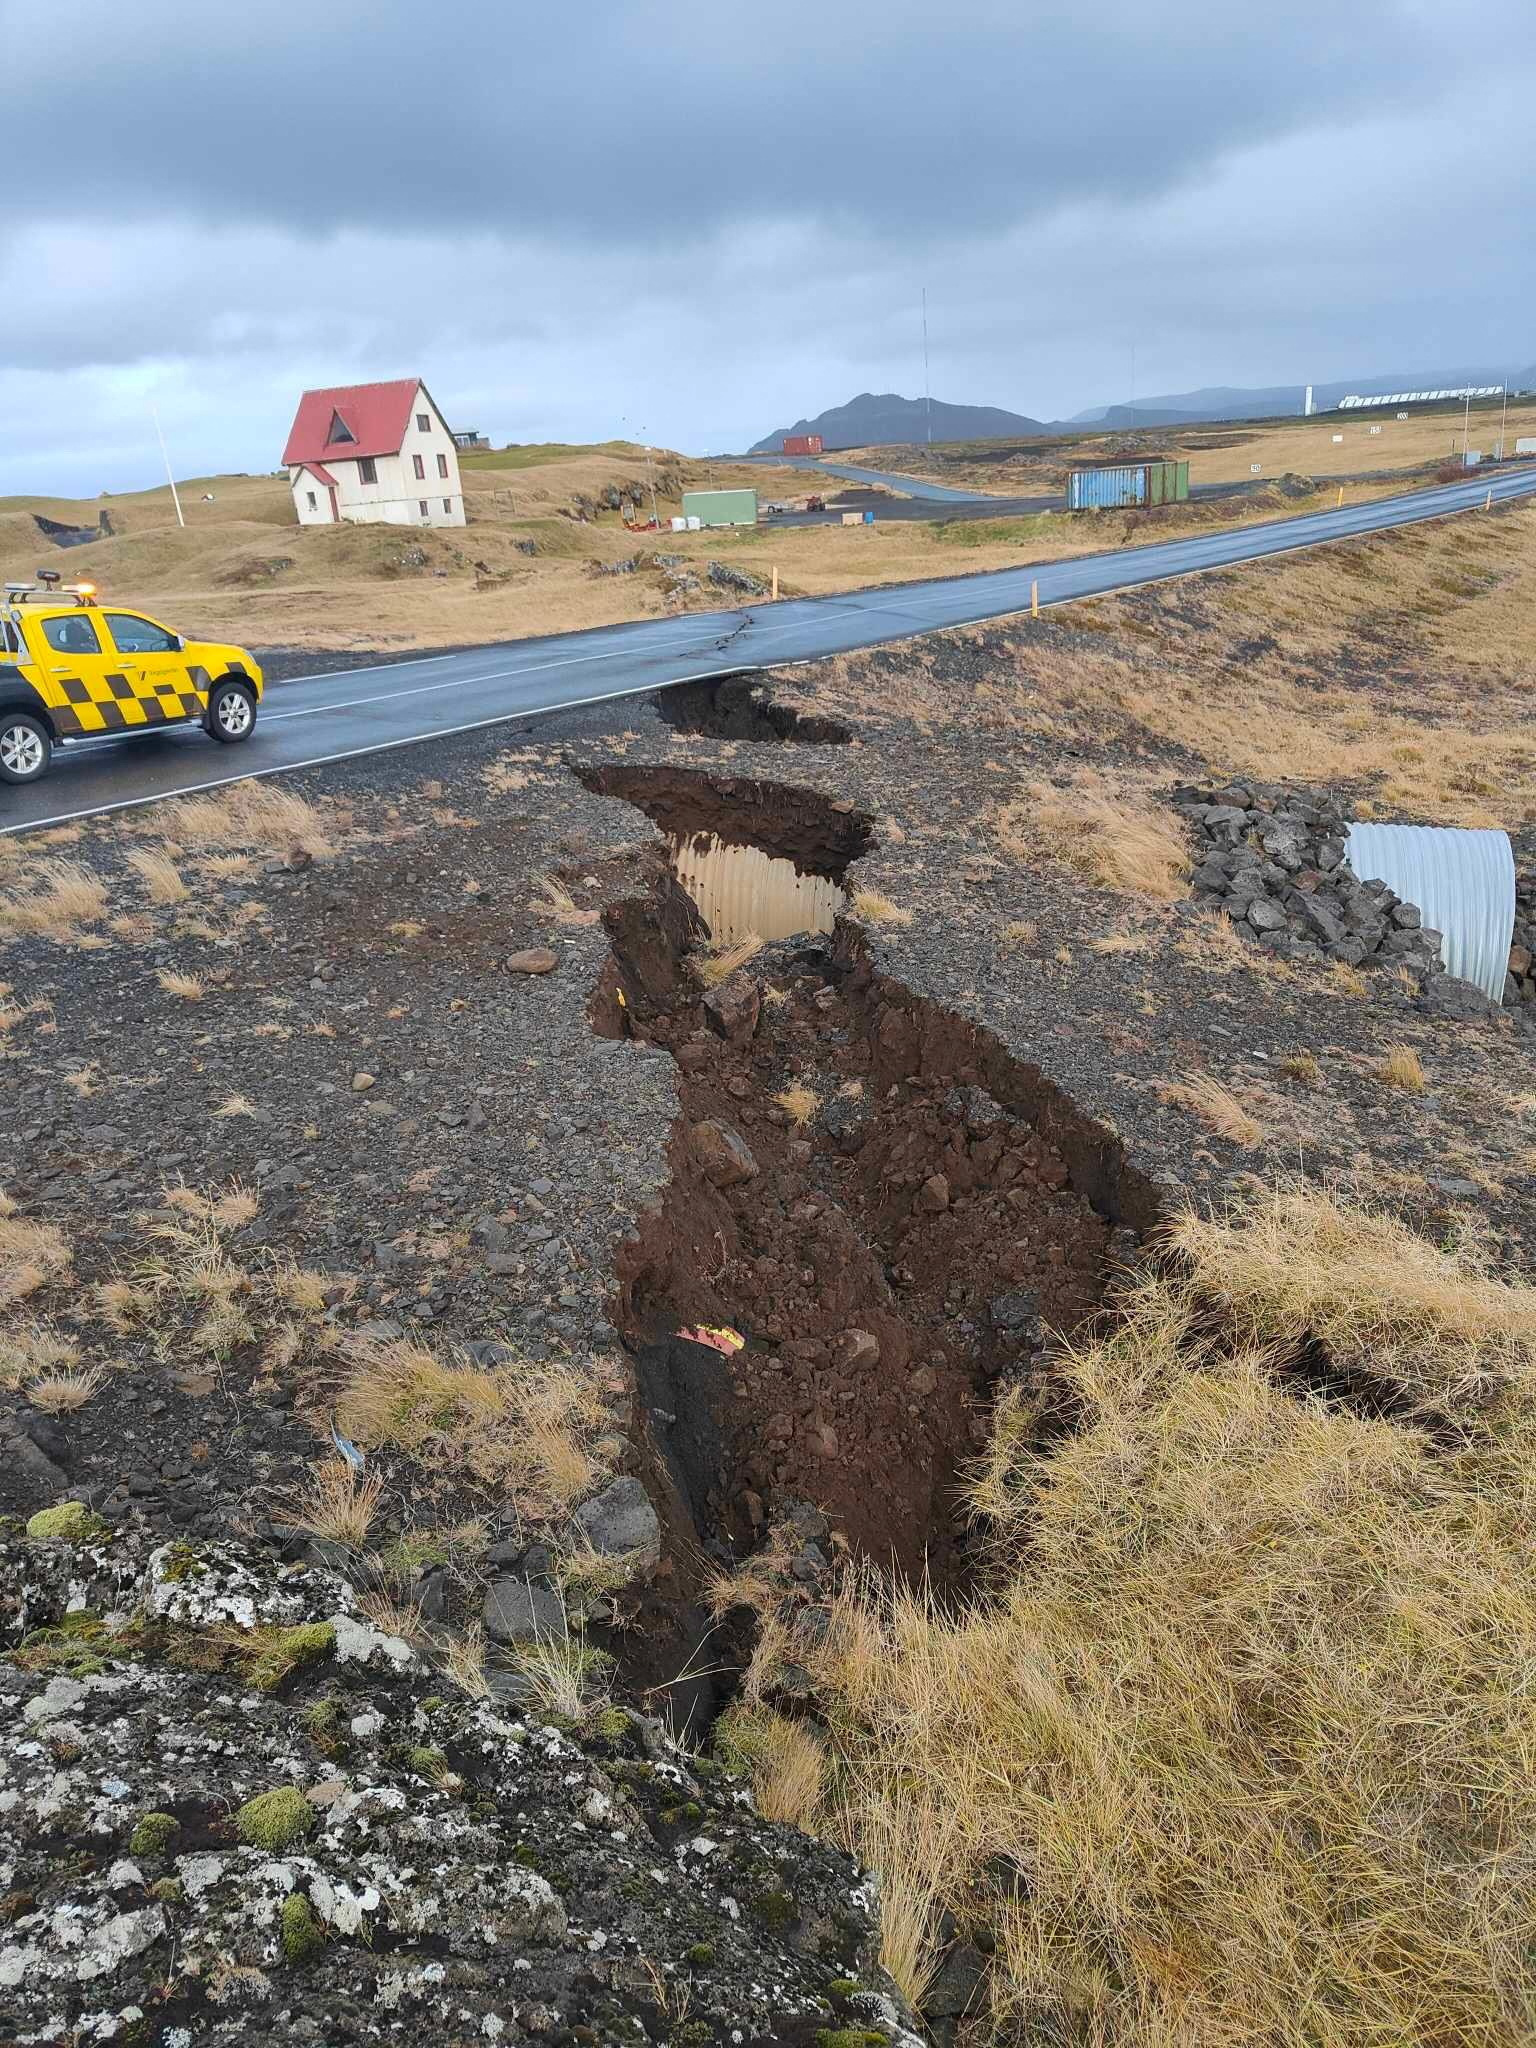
column 138, row 636
column 71, row 634
column 10, row 642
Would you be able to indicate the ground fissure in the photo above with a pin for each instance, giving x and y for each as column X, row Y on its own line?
column 894, row 1213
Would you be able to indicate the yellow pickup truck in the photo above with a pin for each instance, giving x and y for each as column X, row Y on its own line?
column 73, row 668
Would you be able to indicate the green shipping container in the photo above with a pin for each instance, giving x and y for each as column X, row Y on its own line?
column 721, row 508
column 1167, row 482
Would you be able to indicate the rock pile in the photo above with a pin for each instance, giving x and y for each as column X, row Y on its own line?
column 1273, row 860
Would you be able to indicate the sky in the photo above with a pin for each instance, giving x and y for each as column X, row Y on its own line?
column 693, row 224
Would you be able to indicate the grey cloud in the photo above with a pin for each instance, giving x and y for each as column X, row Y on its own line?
column 611, row 122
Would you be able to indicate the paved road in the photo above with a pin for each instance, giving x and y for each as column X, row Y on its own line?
column 911, row 486
column 312, row 719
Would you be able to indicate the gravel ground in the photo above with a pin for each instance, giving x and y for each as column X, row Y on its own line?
column 488, row 1157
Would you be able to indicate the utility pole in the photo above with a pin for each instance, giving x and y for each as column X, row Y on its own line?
column 1133, row 387
column 927, row 388
column 1503, row 416
column 165, row 458
column 1466, row 423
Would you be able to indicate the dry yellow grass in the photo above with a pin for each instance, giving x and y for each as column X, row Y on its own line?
column 1301, row 1066
column 719, row 963
column 190, row 988
column 1215, row 1104
column 61, row 1393
column 60, row 898
column 1246, row 1712
column 1402, row 1068
column 798, row 1102
column 159, row 873
column 31, row 1351
column 787, row 1761
column 32, row 1255
column 530, row 1429
column 261, row 815
column 336, row 1503
column 877, row 909
column 1435, row 1323
column 1116, row 840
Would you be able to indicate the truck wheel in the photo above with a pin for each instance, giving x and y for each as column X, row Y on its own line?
column 25, row 747
column 231, row 713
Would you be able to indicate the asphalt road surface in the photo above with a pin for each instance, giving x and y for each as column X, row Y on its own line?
column 312, row 719
column 912, row 486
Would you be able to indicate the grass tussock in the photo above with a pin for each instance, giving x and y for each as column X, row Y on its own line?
column 336, row 1503
column 874, row 908
column 160, row 875
column 721, row 962
column 1402, row 1068
column 251, row 817
column 32, row 1255
column 1236, row 1748
column 190, row 988
column 527, row 1428
column 1113, row 839
column 798, row 1102
column 1215, row 1104
column 58, row 901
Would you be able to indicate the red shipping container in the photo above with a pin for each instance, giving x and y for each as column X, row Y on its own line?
column 802, row 444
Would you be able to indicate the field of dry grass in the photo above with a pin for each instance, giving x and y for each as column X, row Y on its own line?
column 241, row 570
column 1220, row 452
column 1235, row 1745
column 1347, row 666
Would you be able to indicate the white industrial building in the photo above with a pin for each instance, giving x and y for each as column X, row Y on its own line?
column 374, row 453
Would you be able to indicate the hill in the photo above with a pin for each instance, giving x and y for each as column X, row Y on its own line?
column 874, row 420
column 1269, row 401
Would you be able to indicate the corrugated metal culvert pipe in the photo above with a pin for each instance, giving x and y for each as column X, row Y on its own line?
column 1462, row 880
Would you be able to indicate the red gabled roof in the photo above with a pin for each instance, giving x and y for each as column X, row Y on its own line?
column 376, row 416
column 319, row 471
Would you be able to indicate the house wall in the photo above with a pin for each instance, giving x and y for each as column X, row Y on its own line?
column 396, row 496
column 437, row 441
column 303, row 483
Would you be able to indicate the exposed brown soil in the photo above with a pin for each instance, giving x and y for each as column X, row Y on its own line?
column 819, row 836
column 936, row 1217
column 737, row 708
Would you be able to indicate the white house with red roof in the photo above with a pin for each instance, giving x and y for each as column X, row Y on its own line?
column 374, row 452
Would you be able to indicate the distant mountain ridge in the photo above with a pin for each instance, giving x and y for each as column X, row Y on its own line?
column 885, row 419
column 875, row 420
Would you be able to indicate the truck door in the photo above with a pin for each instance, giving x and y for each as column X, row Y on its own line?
column 83, row 685
column 156, row 667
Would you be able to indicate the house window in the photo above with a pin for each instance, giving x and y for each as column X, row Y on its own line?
column 423, row 423
column 340, row 431
column 423, row 503
column 442, row 465
column 311, row 497
column 421, row 467
column 367, row 470
column 447, row 504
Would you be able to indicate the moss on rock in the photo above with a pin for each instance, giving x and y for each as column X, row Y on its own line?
column 70, row 1522
column 274, row 1820
column 276, row 1653
column 301, row 1933
column 153, row 1834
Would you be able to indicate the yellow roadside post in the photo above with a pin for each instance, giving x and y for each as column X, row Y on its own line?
column 1034, row 599
column 775, row 581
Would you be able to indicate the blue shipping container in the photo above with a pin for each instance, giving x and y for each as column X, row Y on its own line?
column 1103, row 489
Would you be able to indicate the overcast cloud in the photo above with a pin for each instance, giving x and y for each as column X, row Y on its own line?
column 696, row 223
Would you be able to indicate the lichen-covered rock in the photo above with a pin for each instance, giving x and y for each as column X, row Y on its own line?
column 358, row 1852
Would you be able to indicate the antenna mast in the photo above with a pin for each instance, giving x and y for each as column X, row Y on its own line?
column 927, row 390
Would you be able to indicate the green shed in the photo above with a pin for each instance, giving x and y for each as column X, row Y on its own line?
column 721, row 508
